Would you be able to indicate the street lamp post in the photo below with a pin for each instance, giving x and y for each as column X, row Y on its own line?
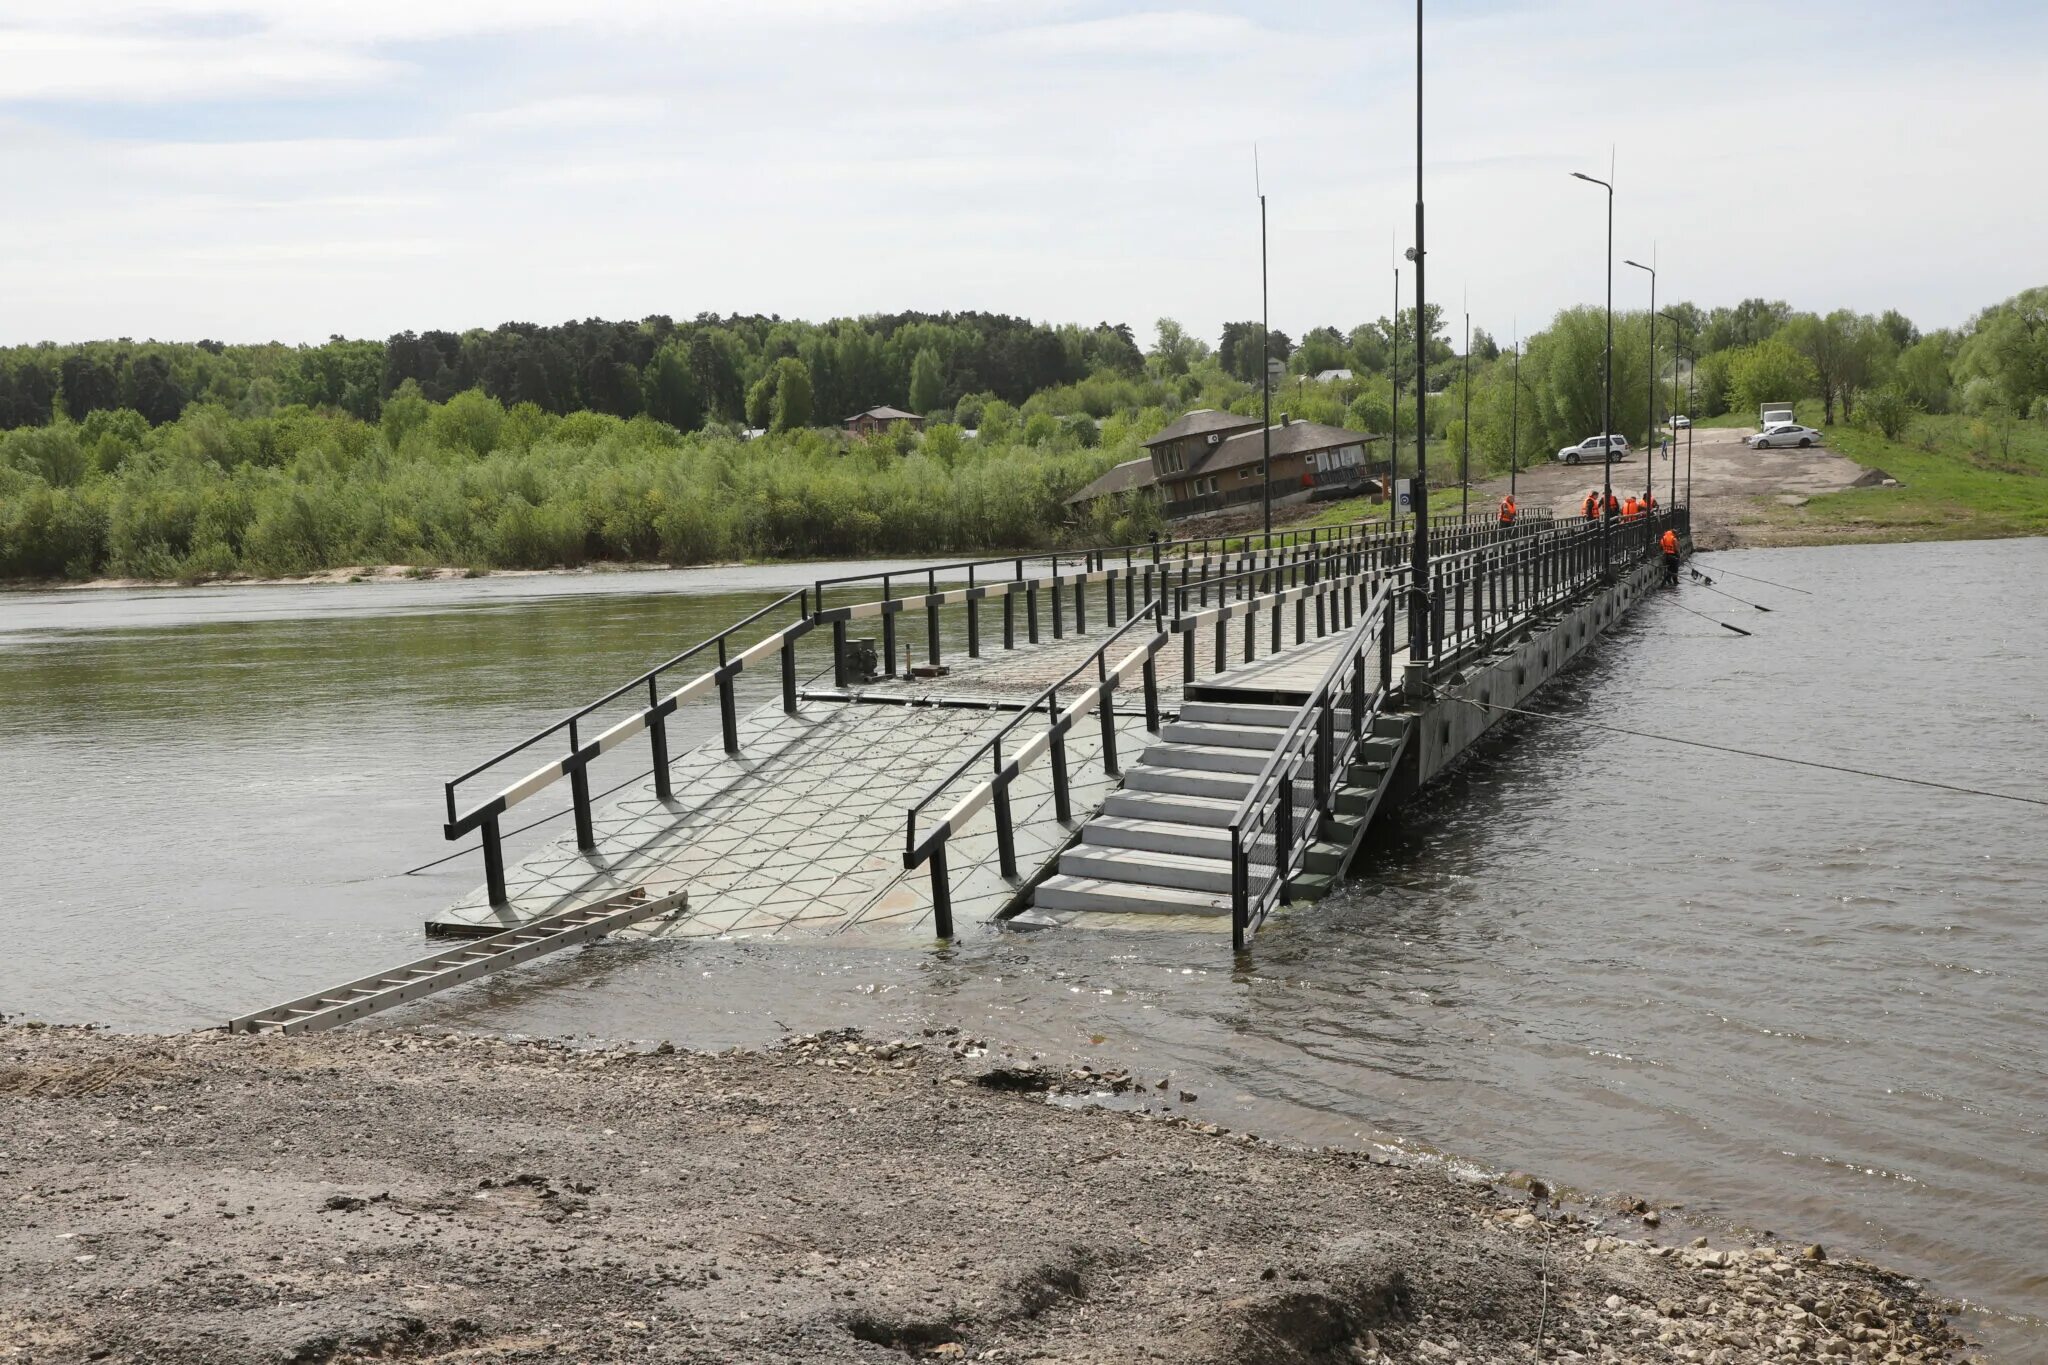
column 1607, row 396
column 1650, row 435
column 1515, row 416
column 1677, row 351
column 1419, row 584
column 1394, row 401
column 1265, row 372
column 1465, row 433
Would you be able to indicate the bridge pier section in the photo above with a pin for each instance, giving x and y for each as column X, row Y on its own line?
column 1446, row 726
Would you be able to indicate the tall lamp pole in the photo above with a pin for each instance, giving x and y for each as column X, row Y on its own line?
column 1419, row 584
column 1265, row 371
column 1677, row 352
column 1650, row 435
column 1465, row 434
column 1691, row 405
column 1607, row 398
column 1394, row 400
column 1515, row 414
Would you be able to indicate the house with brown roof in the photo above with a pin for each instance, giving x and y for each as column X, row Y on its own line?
column 1208, row 460
column 882, row 419
column 1132, row 479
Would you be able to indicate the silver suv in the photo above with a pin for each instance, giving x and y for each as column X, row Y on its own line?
column 1589, row 450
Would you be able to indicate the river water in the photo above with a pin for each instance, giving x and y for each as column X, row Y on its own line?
column 1786, row 998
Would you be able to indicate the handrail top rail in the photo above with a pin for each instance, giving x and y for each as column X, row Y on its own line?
column 623, row 688
column 1278, row 539
column 1031, row 708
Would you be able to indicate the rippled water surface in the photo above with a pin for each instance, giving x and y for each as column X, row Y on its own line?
column 1787, row 998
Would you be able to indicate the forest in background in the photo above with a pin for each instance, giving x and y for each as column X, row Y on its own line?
column 719, row 438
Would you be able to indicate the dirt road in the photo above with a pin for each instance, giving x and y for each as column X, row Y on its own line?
column 390, row 1196
column 1729, row 481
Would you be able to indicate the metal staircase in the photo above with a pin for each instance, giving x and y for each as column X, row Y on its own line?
column 1161, row 844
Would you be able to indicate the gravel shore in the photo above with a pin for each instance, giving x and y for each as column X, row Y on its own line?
column 391, row 1196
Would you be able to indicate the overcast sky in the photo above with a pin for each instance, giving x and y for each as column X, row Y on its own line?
column 256, row 169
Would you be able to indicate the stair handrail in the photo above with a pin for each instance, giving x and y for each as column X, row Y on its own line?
column 1274, row 785
column 1096, row 696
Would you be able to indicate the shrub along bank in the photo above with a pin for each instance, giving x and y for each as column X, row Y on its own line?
column 469, row 483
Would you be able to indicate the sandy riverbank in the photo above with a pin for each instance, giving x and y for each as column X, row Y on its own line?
column 364, row 1195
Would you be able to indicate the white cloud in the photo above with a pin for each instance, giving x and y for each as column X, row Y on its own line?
column 1157, row 33
column 47, row 65
column 570, row 112
column 459, row 163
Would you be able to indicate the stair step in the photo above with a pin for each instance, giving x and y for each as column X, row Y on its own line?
column 1219, row 735
column 1188, row 782
column 1158, row 836
column 1147, row 868
column 1088, row 893
column 1207, row 811
column 1204, row 757
column 1237, row 713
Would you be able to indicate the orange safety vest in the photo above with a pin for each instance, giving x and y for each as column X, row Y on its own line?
column 1507, row 511
column 1613, row 505
column 1631, row 507
column 1592, row 506
column 1670, row 542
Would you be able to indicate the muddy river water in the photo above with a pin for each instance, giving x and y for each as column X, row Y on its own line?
column 1787, row 998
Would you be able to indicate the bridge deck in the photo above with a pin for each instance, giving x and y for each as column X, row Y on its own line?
column 803, row 829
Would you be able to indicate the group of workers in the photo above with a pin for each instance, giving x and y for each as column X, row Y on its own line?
column 1627, row 510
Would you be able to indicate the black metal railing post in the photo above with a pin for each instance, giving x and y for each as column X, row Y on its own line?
column 494, row 862
column 1283, row 838
column 657, row 743
column 1239, row 908
column 579, row 792
column 1006, row 837
column 888, row 632
column 942, row 893
column 839, row 678
column 1056, row 750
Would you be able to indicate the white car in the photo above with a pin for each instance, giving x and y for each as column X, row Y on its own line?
column 1590, row 449
column 1681, row 422
column 1784, row 434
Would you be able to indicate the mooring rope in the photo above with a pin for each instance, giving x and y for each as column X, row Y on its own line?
column 1756, row 753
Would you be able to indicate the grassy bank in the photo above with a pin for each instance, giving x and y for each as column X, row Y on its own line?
column 1960, row 478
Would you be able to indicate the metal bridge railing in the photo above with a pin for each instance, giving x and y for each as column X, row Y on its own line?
column 1273, row 827
column 1298, row 567
column 575, row 763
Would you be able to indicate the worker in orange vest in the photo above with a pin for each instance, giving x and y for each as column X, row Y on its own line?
column 1591, row 507
column 1630, row 508
column 1669, row 543
column 1649, row 502
column 1508, row 510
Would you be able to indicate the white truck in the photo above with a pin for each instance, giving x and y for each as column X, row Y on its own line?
column 1771, row 414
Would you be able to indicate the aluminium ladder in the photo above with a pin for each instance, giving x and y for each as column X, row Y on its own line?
column 474, row 958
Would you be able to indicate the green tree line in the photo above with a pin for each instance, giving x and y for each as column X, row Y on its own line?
column 202, row 459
